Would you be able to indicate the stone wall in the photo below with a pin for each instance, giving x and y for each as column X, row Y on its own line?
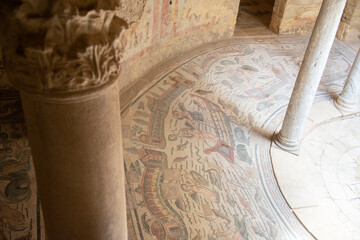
column 294, row 16
column 139, row 34
column 169, row 27
column 299, row 16
column 350, row 23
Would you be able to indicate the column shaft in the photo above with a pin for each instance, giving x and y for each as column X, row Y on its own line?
column 348, row 98
column 77, row 153
column 309, row 75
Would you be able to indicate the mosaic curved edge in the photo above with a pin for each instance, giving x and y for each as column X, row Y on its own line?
column 20, row 211
column 197, row 141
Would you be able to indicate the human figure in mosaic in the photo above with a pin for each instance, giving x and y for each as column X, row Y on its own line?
column 191, row 186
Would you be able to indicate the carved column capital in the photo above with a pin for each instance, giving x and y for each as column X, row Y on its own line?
column 63, row 55
column 53, row 47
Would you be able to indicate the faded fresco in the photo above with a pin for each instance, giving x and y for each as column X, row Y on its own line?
column 196, row 143
column 169, row 27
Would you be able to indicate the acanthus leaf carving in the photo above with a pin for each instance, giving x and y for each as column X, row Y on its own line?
column 76, row 50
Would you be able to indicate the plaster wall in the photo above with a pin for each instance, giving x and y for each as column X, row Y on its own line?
column 167, row 28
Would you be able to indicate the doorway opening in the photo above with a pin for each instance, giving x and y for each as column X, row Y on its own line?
column 254, row 17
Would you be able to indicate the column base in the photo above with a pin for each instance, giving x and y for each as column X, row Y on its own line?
column 345, row 106
column 292, row 147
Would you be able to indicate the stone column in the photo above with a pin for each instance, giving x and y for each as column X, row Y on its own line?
column 77, row 151
column 309, row 75
column 348, row 99
column 64, row 59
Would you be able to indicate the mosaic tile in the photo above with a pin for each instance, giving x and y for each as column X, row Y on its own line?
column 19, row 202
column 201, row 130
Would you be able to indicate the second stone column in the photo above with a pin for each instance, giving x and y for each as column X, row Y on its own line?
column 309, row 75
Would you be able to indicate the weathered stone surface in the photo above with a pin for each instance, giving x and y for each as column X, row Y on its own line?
column 298, row 17
column 77, row 153
column 294, row 16
column 63, row 57
column 55, row 38
column 168, row 28
column 349, row 27
column 64, row 45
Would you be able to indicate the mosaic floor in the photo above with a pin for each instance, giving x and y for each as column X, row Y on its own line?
column 196, row 144
column 197, row 141
column 19, row 204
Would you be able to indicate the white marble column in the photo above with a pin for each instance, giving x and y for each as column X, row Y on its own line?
column 66, row 66
column 309, row 75
column 348, row 99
